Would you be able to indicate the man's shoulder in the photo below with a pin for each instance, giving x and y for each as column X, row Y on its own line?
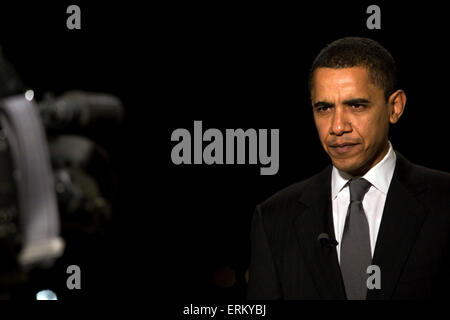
column 423, row 176
column 436, row 182
column 432, row 175
column 290, row 195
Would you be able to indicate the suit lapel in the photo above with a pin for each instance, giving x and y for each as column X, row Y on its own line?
column 402, row 219
column 316, row 218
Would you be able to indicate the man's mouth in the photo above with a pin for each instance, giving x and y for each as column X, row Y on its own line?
column 343, row 147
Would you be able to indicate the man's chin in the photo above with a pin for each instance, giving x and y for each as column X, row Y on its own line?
column 348, row 167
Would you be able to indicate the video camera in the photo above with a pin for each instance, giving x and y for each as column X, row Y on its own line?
column 53, row 179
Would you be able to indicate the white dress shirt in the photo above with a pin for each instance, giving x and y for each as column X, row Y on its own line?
column 380, row 177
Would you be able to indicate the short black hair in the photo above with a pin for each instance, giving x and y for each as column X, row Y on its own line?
column 359, row 52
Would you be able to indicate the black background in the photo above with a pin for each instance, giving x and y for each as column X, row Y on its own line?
column 231, row 66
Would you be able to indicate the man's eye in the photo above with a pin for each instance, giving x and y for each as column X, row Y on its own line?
column 358, row 106
column 322, row 109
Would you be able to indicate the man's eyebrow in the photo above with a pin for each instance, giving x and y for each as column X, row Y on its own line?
column 351, row 102
column 321, row 104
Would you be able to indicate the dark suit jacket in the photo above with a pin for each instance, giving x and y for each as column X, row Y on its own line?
column 412, row 249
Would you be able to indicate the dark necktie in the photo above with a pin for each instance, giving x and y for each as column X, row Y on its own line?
column 356, row 255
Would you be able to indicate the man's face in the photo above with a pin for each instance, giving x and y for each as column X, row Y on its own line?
column 352, row 118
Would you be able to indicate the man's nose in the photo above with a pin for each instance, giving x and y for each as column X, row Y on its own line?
column 339, row 123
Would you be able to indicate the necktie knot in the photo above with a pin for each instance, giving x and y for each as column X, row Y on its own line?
column 358, row 188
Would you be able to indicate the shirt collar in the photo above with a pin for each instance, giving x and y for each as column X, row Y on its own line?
column 379, row 176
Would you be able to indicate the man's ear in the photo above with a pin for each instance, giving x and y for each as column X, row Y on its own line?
column 397, row 102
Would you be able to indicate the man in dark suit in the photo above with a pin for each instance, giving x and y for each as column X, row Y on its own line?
column 370, row 226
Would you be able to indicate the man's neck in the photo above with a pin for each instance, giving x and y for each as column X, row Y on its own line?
column 370, row 164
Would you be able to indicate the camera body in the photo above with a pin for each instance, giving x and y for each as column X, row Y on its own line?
column 53, row 184
column 57, row 184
